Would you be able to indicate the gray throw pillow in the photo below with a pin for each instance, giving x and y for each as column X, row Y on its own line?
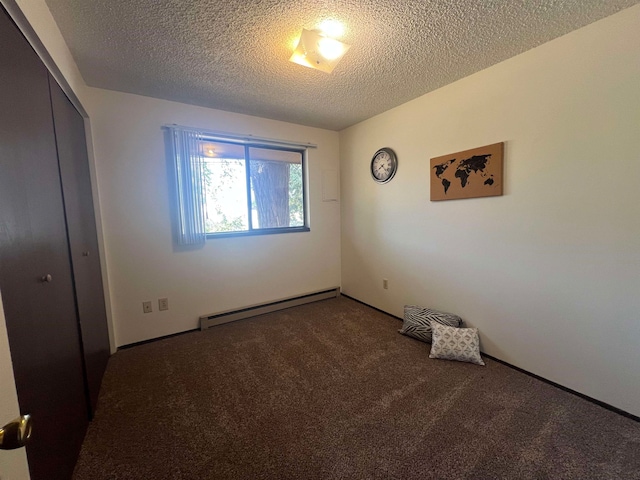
column 417, row 321
column 461, row 344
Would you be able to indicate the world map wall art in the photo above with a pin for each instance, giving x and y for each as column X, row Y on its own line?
column 469, row 174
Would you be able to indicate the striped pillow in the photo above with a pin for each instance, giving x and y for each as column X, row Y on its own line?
column 417, row 321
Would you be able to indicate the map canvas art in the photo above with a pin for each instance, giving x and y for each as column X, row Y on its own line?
column 469, row 174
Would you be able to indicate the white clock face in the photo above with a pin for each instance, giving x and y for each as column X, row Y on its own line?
column 383, row 166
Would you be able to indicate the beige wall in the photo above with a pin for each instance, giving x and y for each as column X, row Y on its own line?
column 227, row 273
column 549, row 272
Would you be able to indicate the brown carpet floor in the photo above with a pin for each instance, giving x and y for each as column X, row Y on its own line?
column 330, row 390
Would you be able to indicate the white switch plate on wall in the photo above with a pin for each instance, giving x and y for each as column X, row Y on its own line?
column 163, row 304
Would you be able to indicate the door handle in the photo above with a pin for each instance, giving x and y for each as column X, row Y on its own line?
column 16, row 434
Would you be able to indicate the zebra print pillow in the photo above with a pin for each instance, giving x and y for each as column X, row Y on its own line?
column 417, row 321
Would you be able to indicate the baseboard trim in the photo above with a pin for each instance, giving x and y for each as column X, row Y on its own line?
column 155, row 339
column 526, row 372
column 220, row 318
column 567, row 389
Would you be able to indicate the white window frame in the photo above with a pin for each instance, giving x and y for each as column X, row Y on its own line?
column 190, row 208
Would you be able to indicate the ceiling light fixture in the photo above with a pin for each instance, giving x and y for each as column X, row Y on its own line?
column 318, row 51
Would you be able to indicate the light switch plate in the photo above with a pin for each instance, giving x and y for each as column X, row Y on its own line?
column 163, row 304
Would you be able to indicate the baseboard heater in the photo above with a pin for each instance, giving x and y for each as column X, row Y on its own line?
column 213, row 319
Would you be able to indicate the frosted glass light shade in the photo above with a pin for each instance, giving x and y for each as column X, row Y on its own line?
column 317, row 51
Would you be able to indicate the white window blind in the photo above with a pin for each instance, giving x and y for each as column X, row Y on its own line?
column 188, row 168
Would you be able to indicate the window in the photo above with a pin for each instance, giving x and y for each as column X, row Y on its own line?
column 236, row 185
column 252, row 189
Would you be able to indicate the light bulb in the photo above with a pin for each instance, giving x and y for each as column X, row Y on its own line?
column 332, row 28
column 330, row 48
column 208, row 150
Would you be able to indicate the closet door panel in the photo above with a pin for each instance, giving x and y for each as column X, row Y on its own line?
column 35, row 271
column 83, row 241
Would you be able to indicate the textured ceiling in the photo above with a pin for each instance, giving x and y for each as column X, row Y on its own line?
column 233, row 54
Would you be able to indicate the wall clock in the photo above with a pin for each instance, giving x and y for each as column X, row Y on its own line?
column 384, row 165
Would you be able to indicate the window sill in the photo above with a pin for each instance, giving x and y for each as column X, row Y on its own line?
column 253, row 233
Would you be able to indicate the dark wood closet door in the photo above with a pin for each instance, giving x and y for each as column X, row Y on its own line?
column 83, row 240
column 35, row 270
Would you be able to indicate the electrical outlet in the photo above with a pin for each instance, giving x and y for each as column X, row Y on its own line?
column 385, row 283
column 163, row 304
column 146, row 307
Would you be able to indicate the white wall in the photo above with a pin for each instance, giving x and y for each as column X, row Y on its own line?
column 227, row 273
column 549, row 272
